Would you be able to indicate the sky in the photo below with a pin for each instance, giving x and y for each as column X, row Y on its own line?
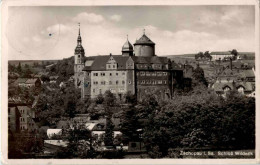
column 43, row 33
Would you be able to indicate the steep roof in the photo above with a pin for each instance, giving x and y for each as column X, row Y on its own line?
column 23, row 108
column 54, row 77
column 21, row 80
column 144, row 40
column 31, row 81
column 99, row 62
column 219, row 86
column 247, row 73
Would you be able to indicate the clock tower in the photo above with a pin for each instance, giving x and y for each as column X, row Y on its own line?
column 79, row 56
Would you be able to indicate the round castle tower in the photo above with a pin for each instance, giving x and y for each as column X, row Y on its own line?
column 144, row 47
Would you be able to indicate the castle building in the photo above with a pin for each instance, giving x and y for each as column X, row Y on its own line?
column 137, row 70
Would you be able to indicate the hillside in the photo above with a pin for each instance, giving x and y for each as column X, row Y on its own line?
column 32, row 62
column 250, row 55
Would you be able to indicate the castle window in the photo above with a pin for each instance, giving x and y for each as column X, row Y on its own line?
column 116, row 82
column 109, row 66
column 93, row 90
column 117, row 74
column 154, row 74
column 165, row 73
column 129, row 82
column 123, row 73
column 110, row 74
column 148, row 74
column 159, row 81
column 165, row 82
column 110, row 82
column 159, row 73
column 100, row 91
column 114, row 66
column 123, row 82
column 78, row 56
column 142, row 73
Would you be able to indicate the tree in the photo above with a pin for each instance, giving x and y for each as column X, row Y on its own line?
column 109, row 132
column 235, row 53
column 11, row 68
column 130, row 124
column 80, row 143
column 45, row 78
column 198, row 76
column 109, row 99
column 19, row 68
column 27, row 73
column 207, row 55
column 100, row 99
column 70, row 108
column 26, row 66
column 199, row 55
column 195, row 139
column 130, row 98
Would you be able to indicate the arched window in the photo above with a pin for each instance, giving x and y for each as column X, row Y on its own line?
column 226, row 89
column 241, row 89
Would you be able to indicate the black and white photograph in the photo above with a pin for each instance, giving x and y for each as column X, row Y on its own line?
column 140, row 82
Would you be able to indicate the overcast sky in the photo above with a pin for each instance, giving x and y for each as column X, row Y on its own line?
column 51, row 32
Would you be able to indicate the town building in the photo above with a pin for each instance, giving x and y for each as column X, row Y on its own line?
column 220, row 55
column 137, row 70
column 27, row 119
column 242, row 81
column 28, row 82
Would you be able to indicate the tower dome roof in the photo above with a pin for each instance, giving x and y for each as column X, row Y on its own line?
column 127, row 46
column 144, row 40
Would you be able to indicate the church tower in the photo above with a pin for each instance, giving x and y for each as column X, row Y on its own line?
column 79, row 56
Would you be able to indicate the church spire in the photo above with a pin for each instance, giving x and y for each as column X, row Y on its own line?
column 79, row 29
column 79, row 37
